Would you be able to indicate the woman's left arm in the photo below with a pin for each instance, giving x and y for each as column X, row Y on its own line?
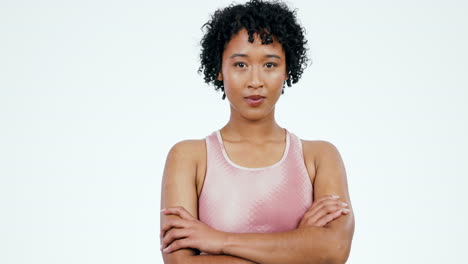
column 310, row 244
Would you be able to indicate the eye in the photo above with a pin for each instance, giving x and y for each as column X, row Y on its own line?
column 240, row 64
column 270, row 65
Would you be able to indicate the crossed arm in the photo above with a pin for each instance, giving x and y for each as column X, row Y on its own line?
column 306, row 244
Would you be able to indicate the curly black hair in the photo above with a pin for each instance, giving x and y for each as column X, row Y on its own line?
column 256, row 16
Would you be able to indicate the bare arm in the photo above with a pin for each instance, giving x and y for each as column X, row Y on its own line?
column 178, row 188
column 217, row 259
column 329, row 244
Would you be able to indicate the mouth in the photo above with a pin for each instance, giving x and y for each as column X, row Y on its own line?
column 254, row 100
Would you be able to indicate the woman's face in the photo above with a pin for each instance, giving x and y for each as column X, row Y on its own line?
column 253, row 69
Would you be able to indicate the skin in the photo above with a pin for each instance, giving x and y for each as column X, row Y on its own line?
column 325, row 232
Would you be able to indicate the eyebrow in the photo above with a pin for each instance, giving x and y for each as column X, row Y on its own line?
column 245, row 55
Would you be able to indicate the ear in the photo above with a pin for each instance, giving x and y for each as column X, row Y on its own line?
column 220, row 76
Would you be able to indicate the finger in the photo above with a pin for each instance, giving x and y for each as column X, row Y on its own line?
column 326, row 209
column 328, row 218
column 180, row 211
column 328, row 205
column 301, row 223
column 173, row 234
column 173, row 223
column 327, row 197
column 176, row 245
column 323, row 199
column 316, row 203
column 311, row 219
column 338, row 213
column 328, row 201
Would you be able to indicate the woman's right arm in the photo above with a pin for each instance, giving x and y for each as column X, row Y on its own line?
column 178, row 188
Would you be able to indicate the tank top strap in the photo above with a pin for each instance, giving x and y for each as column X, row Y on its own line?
column 296, row 147
column 214, row 149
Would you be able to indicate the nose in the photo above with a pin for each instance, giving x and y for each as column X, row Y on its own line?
column 256, row 79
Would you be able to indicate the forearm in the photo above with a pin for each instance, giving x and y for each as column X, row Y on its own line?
column 218, row 259
column 312, row 245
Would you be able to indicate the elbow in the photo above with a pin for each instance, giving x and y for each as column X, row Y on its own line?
column 338, row 254
column 177, row 261
column 174, row 258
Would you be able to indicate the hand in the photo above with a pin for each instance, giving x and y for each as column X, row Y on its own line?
column 323, row 211
column 189, row 232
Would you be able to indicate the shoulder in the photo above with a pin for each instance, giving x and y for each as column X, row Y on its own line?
column 189, row 148
column 193, row 150
column 315, row 151
column 317, row 148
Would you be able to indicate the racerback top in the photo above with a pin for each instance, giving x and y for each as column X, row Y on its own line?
column 254, row 200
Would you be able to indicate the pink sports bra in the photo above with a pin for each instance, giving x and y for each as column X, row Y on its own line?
column 254, row 200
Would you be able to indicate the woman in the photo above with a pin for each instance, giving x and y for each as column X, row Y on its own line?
column 253, row 192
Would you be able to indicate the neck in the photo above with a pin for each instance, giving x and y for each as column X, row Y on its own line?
column 239, row 128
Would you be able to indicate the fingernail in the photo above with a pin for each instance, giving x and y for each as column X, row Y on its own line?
column 346, row 210
column 165, row 250
column 344, row 204
column 335, row 196
column 164, row 209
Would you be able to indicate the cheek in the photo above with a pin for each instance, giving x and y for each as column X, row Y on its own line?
column 276, row 79
column 233, row 80
column 233, row 75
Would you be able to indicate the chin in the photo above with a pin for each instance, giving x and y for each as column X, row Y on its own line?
column 254, row 115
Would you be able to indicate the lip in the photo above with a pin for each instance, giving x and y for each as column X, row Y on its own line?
column 255, row 97
column 254, row 100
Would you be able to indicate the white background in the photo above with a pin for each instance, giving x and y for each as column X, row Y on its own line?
column 94, row 93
